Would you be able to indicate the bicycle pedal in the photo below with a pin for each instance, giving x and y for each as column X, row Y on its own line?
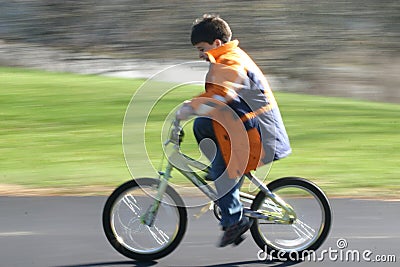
column 239, row 240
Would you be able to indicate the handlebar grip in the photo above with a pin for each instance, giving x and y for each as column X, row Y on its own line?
column 180, row 136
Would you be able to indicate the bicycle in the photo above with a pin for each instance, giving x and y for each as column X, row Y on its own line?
column 145, row 219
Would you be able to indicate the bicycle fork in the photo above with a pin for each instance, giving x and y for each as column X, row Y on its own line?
column 149, row 216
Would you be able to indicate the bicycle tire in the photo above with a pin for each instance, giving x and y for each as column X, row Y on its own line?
column 326, row 219
column 115, row 240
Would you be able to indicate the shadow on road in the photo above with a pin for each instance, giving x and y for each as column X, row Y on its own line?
column 253, row 263
column 114, row 263
column 145, row 264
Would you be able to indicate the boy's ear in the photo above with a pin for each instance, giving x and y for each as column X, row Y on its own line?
column 218, row 43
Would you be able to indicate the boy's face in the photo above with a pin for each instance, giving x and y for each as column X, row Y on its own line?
column 203, row 47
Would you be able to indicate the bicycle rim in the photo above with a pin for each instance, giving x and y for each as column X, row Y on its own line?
column 134, row 235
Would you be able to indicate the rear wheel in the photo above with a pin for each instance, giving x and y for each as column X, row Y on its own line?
column 306, row 233
column 124, row 229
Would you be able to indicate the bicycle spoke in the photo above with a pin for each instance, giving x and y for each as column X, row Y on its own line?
column 132, row 206
column 162, row 238
column 302, row 234
column 269, row 204
column 308, row 230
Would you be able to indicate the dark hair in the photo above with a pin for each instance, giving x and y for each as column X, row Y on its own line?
column 209, row 28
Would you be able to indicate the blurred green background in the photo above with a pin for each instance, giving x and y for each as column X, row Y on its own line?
column 62, row 131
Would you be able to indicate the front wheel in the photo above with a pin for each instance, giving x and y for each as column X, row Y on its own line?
column 123, row 226
column 307, row 233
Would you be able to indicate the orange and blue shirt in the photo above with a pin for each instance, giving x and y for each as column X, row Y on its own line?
column 246, row 118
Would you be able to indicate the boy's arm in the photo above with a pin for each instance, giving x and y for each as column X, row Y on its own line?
column 185, row 111
column 222, row 85
column 205, row 103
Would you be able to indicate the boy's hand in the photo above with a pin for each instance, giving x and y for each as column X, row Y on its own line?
column 185, row 111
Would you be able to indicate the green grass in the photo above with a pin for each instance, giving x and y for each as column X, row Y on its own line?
column 350, row 147
column 61, row 130
column 64, row 131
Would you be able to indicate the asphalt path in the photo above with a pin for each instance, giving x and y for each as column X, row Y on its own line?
column 67, row 232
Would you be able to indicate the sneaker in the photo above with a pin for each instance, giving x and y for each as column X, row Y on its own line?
column 233, row 234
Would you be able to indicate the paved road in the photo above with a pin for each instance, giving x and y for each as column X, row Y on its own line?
column 67, row 232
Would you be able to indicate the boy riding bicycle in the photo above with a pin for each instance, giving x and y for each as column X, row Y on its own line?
column 238, row 113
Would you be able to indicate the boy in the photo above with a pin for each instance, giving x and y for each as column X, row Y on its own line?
column 239, row 114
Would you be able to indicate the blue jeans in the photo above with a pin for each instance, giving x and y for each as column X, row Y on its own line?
column 227, row 188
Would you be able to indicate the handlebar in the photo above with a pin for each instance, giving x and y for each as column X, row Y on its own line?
column 177, row 133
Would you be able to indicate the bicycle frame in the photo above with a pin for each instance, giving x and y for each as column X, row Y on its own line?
column 282, row 212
